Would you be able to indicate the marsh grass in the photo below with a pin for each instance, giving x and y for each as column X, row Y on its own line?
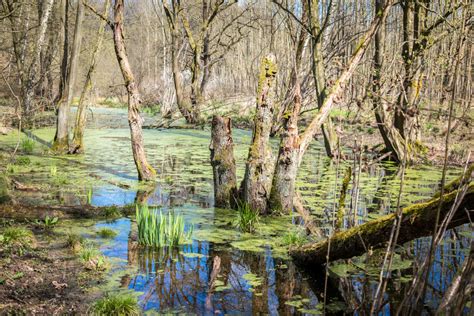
column 116, row 304
column 294, row 238
column 247, row 219
column 27, row 145
column 17, row 239
column 111, row 212
column 158, row 230
column 75, row 242
column 107, row 233
column 89, row 196
column 92, row 258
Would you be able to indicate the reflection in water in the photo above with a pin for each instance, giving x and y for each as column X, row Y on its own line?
column 187, row 279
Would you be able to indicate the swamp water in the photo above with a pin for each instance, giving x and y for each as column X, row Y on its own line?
column 254, row 273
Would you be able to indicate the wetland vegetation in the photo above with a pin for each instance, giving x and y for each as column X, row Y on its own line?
column 236, row 157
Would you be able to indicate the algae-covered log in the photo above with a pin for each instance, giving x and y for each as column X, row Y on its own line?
column 417, row 221
column 223, row 162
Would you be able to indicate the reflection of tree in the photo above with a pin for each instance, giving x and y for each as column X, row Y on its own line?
column 172, row 279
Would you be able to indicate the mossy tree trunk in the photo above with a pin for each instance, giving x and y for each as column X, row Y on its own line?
column 61, row 139
column 417, row 221
column 135, row 121
column 223, row 162
column 283, row 184
column 77, row 145
column 255, row 188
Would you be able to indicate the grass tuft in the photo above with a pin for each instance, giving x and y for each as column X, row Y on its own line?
column 116, row 304
column 92, row 258
column 75, row 242
column 294, row 238
column 158, row 230
column 17, row 239
column 27, row 145
column 247, row 219
column 107, row 233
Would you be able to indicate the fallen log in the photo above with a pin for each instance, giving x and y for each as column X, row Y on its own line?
column 417, row 221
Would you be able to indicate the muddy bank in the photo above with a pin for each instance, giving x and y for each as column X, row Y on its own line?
column 46, row 279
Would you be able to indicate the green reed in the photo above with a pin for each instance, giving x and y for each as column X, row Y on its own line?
column 158, row 230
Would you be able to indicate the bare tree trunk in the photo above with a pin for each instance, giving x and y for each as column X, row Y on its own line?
column 135, row 121
column 285, row 182
column 283, row 188
column 182, row 103
column 61, row 139
column 28, row 90
column 223, row 162
column 184, row 106
column 255, row 188
column 393, row 141
column 77, row 145
column 63, row 11
column 327, row 128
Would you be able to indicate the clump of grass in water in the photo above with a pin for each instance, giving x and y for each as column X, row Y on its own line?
column 107, row 233
column 27, row 145
column 158, row 230
column 294, row 238
column 247, row 219
column 116, row 304
column 75, row 242
column 92, row 258
column 111, row 212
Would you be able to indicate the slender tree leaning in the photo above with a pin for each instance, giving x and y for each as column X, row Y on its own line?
column 135, row 121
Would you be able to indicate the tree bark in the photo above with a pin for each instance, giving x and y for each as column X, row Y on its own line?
column 290, row 158
column 223, row 162
column 417, row 221
column 61, row 139
column 319, row 76
column 77, row 145
column 393, row 141
column 255, row 188
column 183, row 105
column 28, row 86
column 135, row 121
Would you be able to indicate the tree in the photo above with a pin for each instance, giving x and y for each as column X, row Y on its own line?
column 28, row 70
column 61, row 139
column 77, row 145
column 135, row 121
